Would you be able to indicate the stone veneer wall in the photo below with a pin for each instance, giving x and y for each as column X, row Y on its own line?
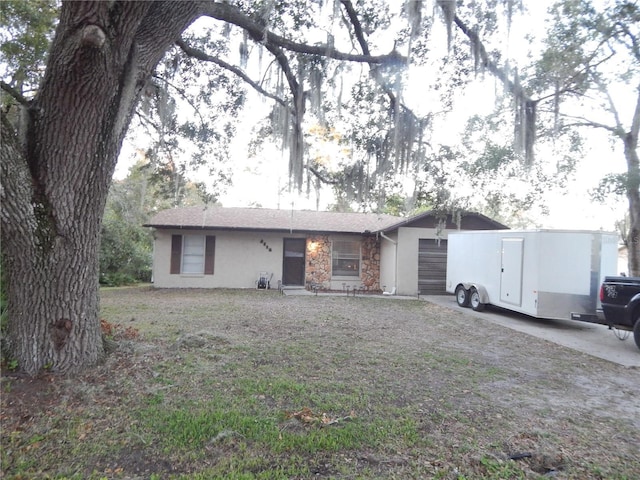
column 318, row 262
column 318, row 267
column 370, row 264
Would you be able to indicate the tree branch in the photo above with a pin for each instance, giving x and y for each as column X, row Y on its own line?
column 358, row 32
column 321, row 177
column 635, row 122
column 514, row 88
column 612, row 105
column 296, row 150
column 396, row 107
column 585, row 122
column 183, row 95
column 200, row 55
column 526, row 107
column 15, row 94
column 635, row 44
column 275, row 45
column 357, row 27
column 231, row 14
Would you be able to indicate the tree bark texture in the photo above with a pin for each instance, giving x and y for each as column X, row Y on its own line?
column 633, row 190
column 56, row 175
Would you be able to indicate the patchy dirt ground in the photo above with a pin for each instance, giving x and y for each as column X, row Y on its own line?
column 484, row 401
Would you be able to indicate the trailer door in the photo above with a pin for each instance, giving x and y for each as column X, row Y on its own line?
column 511, row 270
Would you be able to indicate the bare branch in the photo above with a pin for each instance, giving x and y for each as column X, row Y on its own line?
column 612, row 105
column 145, row 121
column 585, row 122
column 561, row 91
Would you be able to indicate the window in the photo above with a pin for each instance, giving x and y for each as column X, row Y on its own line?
column 192, row 254
column 345, row 258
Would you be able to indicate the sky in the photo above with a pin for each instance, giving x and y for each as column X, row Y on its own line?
column 262, row 181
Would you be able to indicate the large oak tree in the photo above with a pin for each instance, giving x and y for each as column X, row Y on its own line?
column 56, row 168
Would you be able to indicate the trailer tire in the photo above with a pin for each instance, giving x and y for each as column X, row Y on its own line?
column 474, row 300
column 636, row 330
column 462, row 296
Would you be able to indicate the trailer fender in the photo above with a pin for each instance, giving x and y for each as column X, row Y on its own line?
column 482, row 292
column 484, row 295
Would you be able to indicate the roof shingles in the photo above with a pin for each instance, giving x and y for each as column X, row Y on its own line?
column 273, row 220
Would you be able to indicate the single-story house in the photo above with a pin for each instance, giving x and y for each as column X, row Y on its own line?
column 216, row 247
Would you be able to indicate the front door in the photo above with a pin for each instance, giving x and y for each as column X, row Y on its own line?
column 293, row 261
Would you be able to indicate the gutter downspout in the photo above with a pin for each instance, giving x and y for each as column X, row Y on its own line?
column 395, row 263
column 153, row 255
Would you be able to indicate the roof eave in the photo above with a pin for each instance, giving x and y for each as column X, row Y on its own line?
column 256, row 229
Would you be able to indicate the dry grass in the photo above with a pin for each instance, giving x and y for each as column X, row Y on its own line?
column 251, row 384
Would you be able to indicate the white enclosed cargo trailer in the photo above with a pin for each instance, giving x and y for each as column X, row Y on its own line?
column 542, row 273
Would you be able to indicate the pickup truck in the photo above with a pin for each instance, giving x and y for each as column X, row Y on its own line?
column 620, row 299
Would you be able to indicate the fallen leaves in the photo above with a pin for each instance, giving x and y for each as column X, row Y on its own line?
column 113, row 330
column 308, row 416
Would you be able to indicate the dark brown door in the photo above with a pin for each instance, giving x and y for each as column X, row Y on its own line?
column 293, row 261
column 432, row 266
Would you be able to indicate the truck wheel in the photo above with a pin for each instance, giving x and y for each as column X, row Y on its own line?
column 462, row 296
column 474, row 299
column 636, row 330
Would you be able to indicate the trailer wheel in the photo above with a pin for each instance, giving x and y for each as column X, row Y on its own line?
column 636, row 330
column 474, row 299
column 462, row 296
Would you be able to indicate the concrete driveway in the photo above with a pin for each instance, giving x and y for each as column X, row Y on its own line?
column 592, row 339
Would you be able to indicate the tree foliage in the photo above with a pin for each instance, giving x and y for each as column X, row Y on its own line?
column 588, row 78
column 25, row 36
column 126, row 245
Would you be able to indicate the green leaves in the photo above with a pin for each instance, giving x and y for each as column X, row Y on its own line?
column 126, row 246
column 612, row 184
column 25, row 35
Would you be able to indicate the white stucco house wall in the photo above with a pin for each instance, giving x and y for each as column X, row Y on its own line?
column 216, row 247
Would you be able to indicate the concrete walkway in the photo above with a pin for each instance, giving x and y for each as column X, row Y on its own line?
column 300, row 291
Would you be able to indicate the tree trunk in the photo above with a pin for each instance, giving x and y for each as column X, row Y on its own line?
column 633, row 196
column 55, row 178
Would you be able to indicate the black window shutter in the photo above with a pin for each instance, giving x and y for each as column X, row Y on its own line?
column 209, row 254
column 176, row 253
